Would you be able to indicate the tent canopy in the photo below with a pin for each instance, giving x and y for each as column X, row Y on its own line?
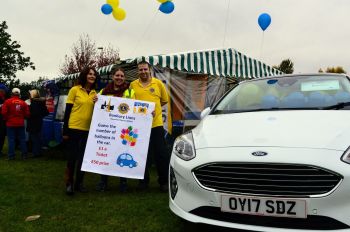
column 222, row 62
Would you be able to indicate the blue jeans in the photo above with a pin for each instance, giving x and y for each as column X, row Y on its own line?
column 12, row 133
column 36, row 143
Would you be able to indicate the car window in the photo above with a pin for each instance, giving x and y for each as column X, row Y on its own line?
column 299, row 92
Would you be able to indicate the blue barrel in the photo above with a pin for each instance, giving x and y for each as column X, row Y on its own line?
column 58, row 131
column 47, row 131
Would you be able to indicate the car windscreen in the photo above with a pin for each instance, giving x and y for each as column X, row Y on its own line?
column 291, row 92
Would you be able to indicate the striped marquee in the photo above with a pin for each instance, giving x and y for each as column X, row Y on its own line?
column 223, row 63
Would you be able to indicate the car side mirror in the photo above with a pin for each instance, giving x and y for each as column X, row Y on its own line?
column 205, row 112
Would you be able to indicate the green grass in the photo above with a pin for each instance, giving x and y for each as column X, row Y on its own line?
column 36, row 186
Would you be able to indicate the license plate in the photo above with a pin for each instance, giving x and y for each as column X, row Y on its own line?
column 277, row 207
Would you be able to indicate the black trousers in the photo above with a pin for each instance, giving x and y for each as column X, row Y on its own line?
column 76, row 146
column 157, row 149
column 104, row 180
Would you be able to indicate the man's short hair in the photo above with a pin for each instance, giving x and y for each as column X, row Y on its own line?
column 144, row 62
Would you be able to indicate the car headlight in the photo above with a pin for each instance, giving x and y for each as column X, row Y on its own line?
column 346, row 156
column 184, row 147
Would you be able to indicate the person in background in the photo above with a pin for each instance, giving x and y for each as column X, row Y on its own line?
column 14, row 111
column 38, row 111
column 3, row 91
column 117, row 88
column 78, row 114
column 148, row 88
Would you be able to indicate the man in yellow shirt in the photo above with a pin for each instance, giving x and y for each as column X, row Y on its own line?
column 148, row 88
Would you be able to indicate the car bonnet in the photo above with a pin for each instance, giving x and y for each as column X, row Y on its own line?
column 320, row 129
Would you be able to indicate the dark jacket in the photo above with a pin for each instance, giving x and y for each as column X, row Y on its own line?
column 2, row 121
column 2, row 100
column 38, row 111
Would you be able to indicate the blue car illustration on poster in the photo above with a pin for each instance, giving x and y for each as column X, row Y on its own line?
column 126, row 160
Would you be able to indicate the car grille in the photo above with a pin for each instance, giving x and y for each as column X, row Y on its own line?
column 267, row 179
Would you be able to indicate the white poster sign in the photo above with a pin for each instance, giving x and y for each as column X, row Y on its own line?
column 119, row 137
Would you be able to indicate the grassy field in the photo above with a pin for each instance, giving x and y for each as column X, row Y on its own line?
column 36, row 187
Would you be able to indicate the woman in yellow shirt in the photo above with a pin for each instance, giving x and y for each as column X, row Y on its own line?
column 77, row 119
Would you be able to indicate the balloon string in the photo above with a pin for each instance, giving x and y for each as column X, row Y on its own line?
column 226, row 23
column 102, row 31
column 261, row 46
column 144, row 33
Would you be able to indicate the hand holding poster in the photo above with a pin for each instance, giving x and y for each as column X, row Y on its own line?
column 119, row 136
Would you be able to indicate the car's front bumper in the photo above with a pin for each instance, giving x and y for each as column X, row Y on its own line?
column 196, row 204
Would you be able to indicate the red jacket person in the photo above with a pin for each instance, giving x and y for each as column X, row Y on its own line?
column 14, row 111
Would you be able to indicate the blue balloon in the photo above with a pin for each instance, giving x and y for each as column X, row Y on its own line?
column 264, row 21
column 167, row 7
column 106, row 9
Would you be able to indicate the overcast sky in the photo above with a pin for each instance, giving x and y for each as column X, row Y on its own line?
column 312, row 33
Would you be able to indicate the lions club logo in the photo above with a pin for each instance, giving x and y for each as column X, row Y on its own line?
column 123, row 108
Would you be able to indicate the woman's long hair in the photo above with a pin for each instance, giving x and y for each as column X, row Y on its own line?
column 82, row 79
column 116, row 69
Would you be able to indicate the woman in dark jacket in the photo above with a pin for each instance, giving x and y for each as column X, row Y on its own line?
column 38, row 111
column 117, row 88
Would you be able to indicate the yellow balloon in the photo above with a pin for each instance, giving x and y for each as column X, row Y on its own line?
column 162, row 1
column 113, row 3
column 119, row 14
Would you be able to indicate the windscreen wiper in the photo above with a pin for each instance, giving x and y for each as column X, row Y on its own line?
column 337, row 106
column 262, row 109
column 279, row 109
column 217, row 112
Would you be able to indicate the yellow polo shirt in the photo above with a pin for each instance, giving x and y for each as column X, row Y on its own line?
column 83, row 106
column 155, row 92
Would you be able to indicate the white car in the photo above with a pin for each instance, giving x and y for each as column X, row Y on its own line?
column 272, row 155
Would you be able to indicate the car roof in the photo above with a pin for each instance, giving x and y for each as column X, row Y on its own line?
column 297, row 75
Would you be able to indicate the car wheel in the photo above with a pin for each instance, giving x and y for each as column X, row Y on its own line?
column 121, row 164
column 131, row 166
